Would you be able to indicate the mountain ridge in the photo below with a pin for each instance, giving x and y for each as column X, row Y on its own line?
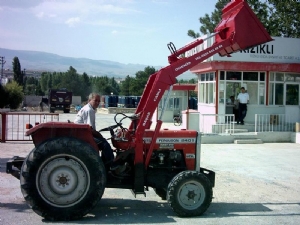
column 44, row 61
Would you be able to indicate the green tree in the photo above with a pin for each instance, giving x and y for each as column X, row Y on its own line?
column 125, row 86
column 115, row 88
column 15, row 94
column 141, row 78
column 70, row 79
column 49, row 82
column 43, row 81
column 32, row 86
column 18, row 75
column 86, row 86
column 285, row 18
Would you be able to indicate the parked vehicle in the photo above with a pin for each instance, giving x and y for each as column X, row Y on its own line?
column 59, row 99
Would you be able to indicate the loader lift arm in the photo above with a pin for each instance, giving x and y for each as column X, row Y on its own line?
column 232, row 34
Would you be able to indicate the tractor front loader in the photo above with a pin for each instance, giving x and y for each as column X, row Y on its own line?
column 64, row 176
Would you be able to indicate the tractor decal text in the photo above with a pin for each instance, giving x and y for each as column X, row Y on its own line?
column 157, row 94
column 182, row 66
column 190, row 156
column 209, row 51
column 166, row 146
column 146, row 119
column 171, row 140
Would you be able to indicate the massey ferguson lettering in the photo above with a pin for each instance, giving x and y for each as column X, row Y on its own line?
column 171, row 140
column 260, row 49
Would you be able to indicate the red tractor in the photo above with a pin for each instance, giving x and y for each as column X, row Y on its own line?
column 64, row 176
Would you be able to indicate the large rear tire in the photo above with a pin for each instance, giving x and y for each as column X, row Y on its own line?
column 63, row 179
column 189, row 193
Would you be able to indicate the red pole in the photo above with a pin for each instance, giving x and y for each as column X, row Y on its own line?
column 3, row 120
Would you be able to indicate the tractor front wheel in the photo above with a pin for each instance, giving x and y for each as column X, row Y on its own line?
column 189, row 193
column 63, row 179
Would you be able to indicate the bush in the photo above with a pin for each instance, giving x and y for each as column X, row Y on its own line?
column 15, row 94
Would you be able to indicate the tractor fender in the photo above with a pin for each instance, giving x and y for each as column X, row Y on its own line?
column 44, row 131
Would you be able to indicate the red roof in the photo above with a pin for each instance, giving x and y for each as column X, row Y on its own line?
column 246, row 66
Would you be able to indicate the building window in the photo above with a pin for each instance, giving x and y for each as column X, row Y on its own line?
column 252, row 90
column 206, row 87
column 250, row 76
column 233, row 75
column 284, row 88
column 254, row 83
column 278, row 94
column 292, row 94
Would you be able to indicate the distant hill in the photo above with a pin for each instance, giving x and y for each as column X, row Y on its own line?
column 43, row 61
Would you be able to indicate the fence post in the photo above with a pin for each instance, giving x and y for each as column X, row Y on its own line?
column 3, row 131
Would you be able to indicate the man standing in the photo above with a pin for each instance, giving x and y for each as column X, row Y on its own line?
column 243, row 99
column 41, row 106
column 87, row 115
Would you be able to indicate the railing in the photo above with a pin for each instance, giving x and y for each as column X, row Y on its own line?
column 13, row 125
column 273, row 122
column 216, row 123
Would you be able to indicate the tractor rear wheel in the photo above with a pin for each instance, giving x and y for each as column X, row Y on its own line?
column 63, row 179
column 189, row 193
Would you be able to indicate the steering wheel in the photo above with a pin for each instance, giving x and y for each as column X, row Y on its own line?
column 111, row 128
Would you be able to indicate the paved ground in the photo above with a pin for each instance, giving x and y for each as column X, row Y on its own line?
column 255, row 184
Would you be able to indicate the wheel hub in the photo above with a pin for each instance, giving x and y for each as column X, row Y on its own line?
column 62, row 180
column 191, row 195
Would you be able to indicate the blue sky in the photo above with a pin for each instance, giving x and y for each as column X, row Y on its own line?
column 125, row 31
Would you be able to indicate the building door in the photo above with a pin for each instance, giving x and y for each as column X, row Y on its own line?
column 292, row 110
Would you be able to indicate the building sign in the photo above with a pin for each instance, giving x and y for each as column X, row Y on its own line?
column 280, row 50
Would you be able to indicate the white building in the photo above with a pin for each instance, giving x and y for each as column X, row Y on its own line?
column 269, row 72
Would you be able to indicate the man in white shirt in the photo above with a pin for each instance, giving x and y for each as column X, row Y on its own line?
column 87, row 115
column 243, row 99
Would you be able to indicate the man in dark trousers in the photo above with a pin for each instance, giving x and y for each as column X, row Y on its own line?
column 243, row 99
column 87, row 115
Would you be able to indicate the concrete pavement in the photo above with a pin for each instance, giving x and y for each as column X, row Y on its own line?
column 255, row 184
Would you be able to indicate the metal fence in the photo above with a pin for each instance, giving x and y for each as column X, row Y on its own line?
column 224, row 124
column 13, row 125
column 273, row 122
column 217, row 123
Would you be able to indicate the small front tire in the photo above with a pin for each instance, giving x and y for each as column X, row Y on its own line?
column 189, row 194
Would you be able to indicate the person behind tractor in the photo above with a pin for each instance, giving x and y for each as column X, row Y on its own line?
column 243, row 99
column 87, row 115
column 41, row 106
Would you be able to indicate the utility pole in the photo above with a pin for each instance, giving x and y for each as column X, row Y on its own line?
column 2, row 64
